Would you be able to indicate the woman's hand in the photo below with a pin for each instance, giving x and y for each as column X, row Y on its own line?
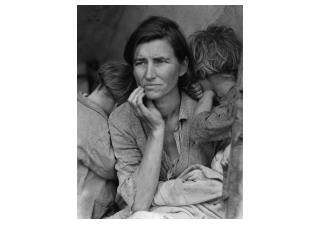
column 150, row 114
column 194, row 175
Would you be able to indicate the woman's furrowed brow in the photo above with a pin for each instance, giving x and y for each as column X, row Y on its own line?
column 161, row 58
column 138, row 59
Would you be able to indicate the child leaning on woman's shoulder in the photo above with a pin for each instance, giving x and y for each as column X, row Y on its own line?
column 216, row 55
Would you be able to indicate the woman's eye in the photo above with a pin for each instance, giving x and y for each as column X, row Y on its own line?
column 158, row 61
column 137, row 63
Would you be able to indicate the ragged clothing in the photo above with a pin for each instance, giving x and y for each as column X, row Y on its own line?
column 225, row 121
column 197, row 184
column 216, row 125
column 96, row 177
column 196, row 193
column 129, row 136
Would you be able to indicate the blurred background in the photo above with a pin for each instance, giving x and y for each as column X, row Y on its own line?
column 102, row 31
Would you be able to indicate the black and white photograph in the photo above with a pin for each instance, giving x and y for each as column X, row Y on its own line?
column 159, row 112
column 201, row 112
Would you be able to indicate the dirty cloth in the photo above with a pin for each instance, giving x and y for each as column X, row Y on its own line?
column 216, row 124
column 196, row 193
column 96, row 177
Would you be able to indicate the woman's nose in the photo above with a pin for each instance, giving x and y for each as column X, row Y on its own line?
column 150, row 74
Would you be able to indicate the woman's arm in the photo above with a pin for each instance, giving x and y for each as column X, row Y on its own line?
column 147, row 175
column 148, row 172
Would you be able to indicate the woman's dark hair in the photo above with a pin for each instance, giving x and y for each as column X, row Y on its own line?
column 215, row 50
column 157, row 27
column 117, row 78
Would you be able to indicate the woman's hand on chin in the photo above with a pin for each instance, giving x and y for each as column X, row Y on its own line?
column 149, row 113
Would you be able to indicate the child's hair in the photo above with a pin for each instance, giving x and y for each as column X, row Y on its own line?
column 215, row 50
column 117, row 78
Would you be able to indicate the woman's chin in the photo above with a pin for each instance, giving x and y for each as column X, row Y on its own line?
column 153, row 95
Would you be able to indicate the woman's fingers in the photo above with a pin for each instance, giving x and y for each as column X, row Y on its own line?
column 148, row 113
column 186, row 177
column 133, row 95
column 140, row 106
column 194, row 175
column 133, row 99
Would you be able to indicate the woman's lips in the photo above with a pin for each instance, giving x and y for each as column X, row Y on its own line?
column 150, row 86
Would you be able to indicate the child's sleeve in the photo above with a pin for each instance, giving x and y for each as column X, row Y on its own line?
column 212, row 125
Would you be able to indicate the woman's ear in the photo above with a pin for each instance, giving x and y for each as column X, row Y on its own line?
column 183, row 67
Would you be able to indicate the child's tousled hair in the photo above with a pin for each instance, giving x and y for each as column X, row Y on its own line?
column 117, row 78
column 215, row 50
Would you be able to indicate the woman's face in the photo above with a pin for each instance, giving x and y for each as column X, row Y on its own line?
column 156, row 68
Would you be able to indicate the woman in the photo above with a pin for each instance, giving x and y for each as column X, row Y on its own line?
column 150, row 133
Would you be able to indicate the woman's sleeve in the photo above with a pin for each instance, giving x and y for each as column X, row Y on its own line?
column 128, row 158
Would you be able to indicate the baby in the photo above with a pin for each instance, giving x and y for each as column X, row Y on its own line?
column 216, row 54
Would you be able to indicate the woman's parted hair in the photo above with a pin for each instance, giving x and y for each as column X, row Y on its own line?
column 157, row 27
column 215, row 50
column 117, row 78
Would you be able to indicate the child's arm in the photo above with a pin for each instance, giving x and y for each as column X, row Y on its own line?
column 211, row 123
column 194, row 90
column 205, row 103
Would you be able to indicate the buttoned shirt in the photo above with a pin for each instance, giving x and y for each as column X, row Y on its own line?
column 96, row 175
column 129, row 137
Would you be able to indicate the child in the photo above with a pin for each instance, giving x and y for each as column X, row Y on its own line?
column 97, row 180
column 216, row 55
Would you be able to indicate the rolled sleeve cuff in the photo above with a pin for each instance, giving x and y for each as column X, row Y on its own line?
column 128, row 190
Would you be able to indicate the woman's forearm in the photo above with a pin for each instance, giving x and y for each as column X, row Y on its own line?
column 149, row 170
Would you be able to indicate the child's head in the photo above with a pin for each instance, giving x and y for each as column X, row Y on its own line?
column 117, row 79
column 215, row 50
